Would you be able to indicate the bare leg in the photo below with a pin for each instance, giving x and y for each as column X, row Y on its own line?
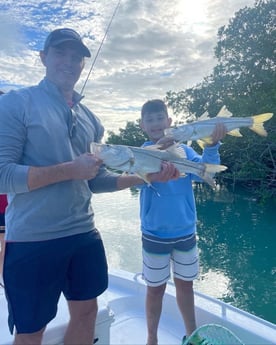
column 81, row 327
column 185, row 301
column 153, row 310
column 29, row 338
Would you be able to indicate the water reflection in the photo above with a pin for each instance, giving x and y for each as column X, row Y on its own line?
column 236, row 238
column 213, row 283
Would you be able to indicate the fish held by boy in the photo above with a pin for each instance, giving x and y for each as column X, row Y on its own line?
column 202, row 129
column 142, row 161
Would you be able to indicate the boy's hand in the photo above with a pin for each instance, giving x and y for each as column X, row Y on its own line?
column 219, row 133
column 168, row 172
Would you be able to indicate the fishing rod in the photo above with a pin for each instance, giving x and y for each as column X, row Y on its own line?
column 100, row 46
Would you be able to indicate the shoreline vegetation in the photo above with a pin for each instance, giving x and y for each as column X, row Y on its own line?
column 244, row 81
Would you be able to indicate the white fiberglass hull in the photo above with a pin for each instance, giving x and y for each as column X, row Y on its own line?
column 121, row 318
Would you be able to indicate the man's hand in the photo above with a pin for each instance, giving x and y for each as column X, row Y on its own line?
column 85, row 166
column 168, row 172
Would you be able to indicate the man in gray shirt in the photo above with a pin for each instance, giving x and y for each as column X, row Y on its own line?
column 49, row 175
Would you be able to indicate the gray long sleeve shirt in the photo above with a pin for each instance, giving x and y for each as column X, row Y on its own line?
column 38, row 128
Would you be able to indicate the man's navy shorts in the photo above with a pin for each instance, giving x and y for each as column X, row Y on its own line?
column 2, row 223
column 35, row 274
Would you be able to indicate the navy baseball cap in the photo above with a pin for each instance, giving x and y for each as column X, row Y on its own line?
column 59, row 36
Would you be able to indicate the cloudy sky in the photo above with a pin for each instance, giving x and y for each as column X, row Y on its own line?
column 152, row 46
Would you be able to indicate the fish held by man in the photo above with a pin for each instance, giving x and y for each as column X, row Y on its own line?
column 202, row 129
column 142, row 161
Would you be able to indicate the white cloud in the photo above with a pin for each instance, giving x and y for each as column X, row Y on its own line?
column 11, row 40
column 152, row 47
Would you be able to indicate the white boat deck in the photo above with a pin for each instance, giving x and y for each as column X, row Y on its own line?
column 121, row 318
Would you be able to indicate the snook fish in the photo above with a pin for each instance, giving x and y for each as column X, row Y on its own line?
column 142, row 161
column 202, row 129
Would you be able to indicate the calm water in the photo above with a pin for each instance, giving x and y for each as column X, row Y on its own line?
column 236, row 239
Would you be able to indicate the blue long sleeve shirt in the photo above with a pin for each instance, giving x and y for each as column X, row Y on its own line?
column 38, row 128
column 168, row 210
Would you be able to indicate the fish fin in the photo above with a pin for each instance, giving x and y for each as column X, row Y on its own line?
column 177, row 151
column 204, row 141
column 201, row 143
column 144, row 178
column 235, row 133
column 207, row 140
column 210, row 171
column 224, row 112
column 153, row 147
column 155, row 190
column 204, row 116
column 169, row 133
column 262, row 117
column 258, row 126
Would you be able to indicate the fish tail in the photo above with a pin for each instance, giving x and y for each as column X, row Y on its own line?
column 258, row 123
column 210, row 171
column 209, row 179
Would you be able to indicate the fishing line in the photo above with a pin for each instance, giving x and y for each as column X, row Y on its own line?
column 100, row 46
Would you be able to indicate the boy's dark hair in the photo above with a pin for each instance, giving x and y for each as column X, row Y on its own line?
column 154, row 106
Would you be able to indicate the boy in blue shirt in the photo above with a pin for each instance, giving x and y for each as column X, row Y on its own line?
column 168, row 225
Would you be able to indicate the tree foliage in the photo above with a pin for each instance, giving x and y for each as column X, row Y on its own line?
column 132, row 135
column 244, row 80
